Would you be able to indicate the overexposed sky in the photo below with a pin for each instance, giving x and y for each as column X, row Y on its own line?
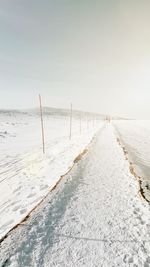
column 94, row 53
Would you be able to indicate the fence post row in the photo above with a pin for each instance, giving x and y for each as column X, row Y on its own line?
column 70, row 132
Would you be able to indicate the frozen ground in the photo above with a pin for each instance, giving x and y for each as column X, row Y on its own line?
column 95, row 217
column 26, row 175
column 135, row 135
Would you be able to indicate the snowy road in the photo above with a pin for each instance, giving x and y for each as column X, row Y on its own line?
column 95, row 217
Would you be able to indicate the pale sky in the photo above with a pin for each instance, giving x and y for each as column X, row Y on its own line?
column 93, row 53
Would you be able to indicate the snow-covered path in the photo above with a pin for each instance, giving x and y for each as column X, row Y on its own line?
column 95, row 217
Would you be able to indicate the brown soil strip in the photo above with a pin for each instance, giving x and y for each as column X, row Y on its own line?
column 132, row 170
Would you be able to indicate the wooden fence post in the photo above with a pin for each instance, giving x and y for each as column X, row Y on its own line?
column 42, row 126
column 70, row 135
column 80, row 123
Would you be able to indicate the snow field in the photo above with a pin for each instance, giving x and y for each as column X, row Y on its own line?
column 26, row 175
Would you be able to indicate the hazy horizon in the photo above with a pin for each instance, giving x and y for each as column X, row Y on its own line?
column 95, row 54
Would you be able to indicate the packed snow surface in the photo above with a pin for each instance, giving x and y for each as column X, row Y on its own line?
column 26, row 175
column 95, row 217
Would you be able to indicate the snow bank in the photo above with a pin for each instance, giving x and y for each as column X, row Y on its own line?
column 135, row 134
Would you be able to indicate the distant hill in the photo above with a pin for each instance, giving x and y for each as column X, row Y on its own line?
column 66, row 112
column 49, row 111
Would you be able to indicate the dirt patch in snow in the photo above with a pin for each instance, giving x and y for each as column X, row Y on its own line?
column 79, row 157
